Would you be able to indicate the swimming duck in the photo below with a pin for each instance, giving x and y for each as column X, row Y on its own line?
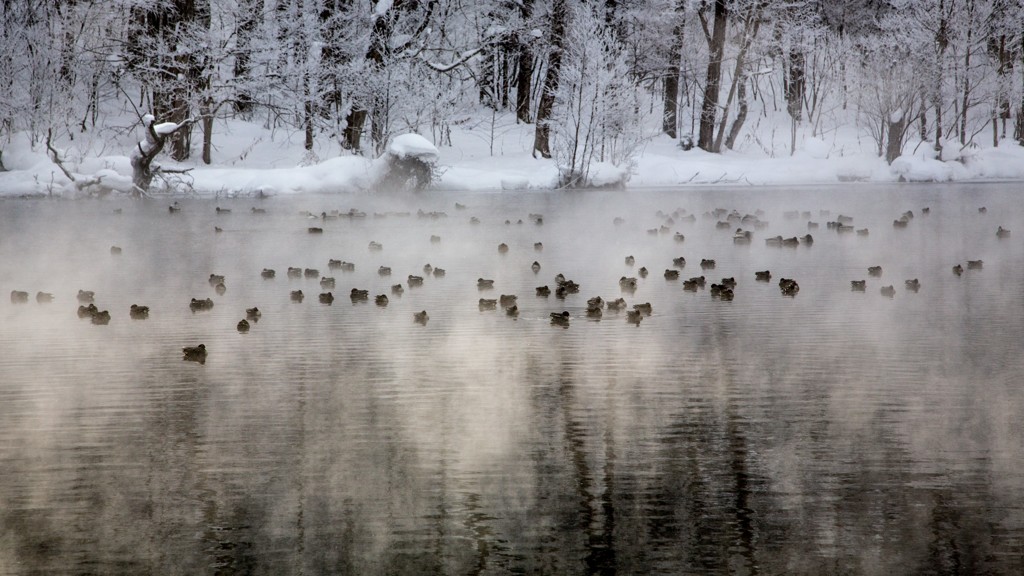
column 875, row 271
column 729, row 282
column 253, row 314
column 1002, row 233
column 773, row 241
column 671, row 274
column 311, row 273
column 723, row 225
column 644, row 308
column 19, row 297
column 807, row 239
column 315, row 230
column 958, row 269
column 595, row 313
column 86, row 296
column 216, row 279
column 327, row 283
column 196, row 305
column 101, row 318
column 888, row 291
column 115, row 250
column 652, row 231
column 381, row 300
column 901, row 223
column 642, row 272
column 484, row 284
column 512, row 310
column 460, row 206
column 595, row 302
column 333, row 264
column 44, row 297
column 502, row 248
column 415, row 281
column 618, row 221
column 375, row 246
column 474, row 220
column 974, row 264
column 763, row 276
column 220, row 289
column 421, row 317
column 268, row 273
column 174, row 208
column 427, row 268
column 243, row 326
column 137, row 312
column 862, row 232
column 535, row 267
column 220, row 210
column 439, row 272
column 912, row 285
column 926, row 210
column 788, row 286
column 679, row 237
column 543, row 291
column 812, row 225
column 256, row 210
column 359, row 295
column 297, row 295
column 84, row 311
column 194, row 353
column 434, row 239
column 630, row 260
column 487, row 304
column 615, row 305
column 716, row 290
column 691, row 285
column 858, row 285
column 680, row 262
column 294, row 272
column 384, row 271
column 506, row 300
column 560, row 318
column 538, row 246
column 742, row 236
column 982, row 210
column 326, row 298
column 791, row 242
column 397, row 290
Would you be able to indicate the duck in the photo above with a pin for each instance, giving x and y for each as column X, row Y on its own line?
column 726, row 294
column 679, row 237
column 791, row 242
column 535, row 267
column 253, row 314
column 729, row 282
column 115, row 250
column 414, row 281
column 512, row 310
column 420, row 317
column 680, row 262
column 174, row 208
column 435, row 239
column 358, row 295
column 256, row 210
column 439, row 272
column 807, row 239
column 671, row 274
column 484, row 284
column 268, row 273
column 543, row 291
column 568, row 287
column 242, row 326
column 137, row 312
column 85, row 311
column 723, row 225
column 958, row 269
column 44, row 297
column 216, row 279
column 974, row 264
column 397, row 290
column 474, row 220
column 595, row 302
column 86, row 296
column 384, row 271
column 502, row 248
column 630, row 260
column 742, row 236
column 642, row 272
column 716, row 290
column 691, row 285
column 333, row 264
column 297, row 295
column 634, row 317
column 487, row 304
column 615, row 305
column 19, row 297
column 813, row 225
column 858, row 285
column 381, row 300
column 875, row 271
column 912, row 285
column 220, row 210
column 788, row 286
column 506, row 300
column 1002, row 233
column 375, row 246
column 327, row 283
column 706, row 264
column 294, row 272
column 194, row 353
column 315, row 230
column 644, row 308
column 538, row 246
column 652, row 231
column 311, row 273
column 901, row 223
column 982, row 210
column 888, row 291
column 763, row 276
column 326, row 298
column 220, row 289
column 197, row 305
column 101, row 318
column 560, row 318
column 773, row 241
column 595, row 312
column 862, row 232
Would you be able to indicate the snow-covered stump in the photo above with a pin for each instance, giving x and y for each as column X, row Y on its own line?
column 143, row 169
column 408, row 163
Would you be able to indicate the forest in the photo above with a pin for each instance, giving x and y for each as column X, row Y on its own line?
column 590, row 78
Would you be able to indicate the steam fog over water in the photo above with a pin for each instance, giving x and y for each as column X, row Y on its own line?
column 835, row 431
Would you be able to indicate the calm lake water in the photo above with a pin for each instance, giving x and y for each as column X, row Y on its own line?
column 833, row 432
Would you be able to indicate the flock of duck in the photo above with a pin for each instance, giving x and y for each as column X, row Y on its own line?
column 739, row 224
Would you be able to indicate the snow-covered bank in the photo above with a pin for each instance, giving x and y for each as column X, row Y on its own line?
column 250, row 163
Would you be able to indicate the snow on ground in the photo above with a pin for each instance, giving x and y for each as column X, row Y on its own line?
column 494, row 153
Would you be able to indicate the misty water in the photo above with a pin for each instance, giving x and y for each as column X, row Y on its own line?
column 834, row 431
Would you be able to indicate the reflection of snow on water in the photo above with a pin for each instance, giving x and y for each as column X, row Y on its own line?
column 801, row 432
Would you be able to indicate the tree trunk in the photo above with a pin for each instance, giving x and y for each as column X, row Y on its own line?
column 941, row 42
column 542, row 134
column 741, row 116
column 670, row 111
column 716, row 47
column 249, row 13
column 894, row 146
column 524, row 69
column 795, row 87
column 750, row 28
